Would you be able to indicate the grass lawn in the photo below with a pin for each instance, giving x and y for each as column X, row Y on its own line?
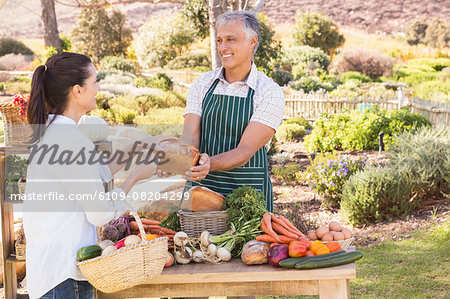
column 417, row 267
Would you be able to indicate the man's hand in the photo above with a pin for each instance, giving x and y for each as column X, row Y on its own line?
column 198, row 173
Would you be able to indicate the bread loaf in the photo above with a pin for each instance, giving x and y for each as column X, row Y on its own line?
column 203, row 199
column 255, row 252
column 179, row 156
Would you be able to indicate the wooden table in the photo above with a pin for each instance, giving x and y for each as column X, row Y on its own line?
column 237, row 279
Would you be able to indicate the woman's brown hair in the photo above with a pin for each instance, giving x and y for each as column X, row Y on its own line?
column 50, row 88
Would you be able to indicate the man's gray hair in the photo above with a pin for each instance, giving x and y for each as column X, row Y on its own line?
column 249, row 20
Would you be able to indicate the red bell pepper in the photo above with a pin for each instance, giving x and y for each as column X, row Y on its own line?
column 297, row 249
column 119, row 244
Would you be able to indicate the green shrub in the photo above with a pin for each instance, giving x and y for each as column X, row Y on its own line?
column 328, row 173
column 161, row 81
column 299, row 121
column 189, row 60
column 369, row 62
column 288, row 172
column 161, row 39
column 305, row 57
column 269, row 48
column 172, row 115
column 359, row 131
column 118, row 78
column 309, row 84
column 10, row 45
column 436, row 90
column 344, row 77
column 424, row 158
column 376, row 194
column 21, row 84
column 118, row 63
column 287, row 132
column 122, row 115
column 101, row 75
column 273, row 146
column 281, row 77
column 438, row 64
column 15, row 169
column 101, row 32
column 317, row 30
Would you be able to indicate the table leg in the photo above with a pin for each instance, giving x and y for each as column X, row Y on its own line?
column 334, row 289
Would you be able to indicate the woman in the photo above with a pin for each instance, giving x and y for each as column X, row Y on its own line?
column 62, row 91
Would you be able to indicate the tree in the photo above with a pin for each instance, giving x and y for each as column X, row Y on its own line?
column 318, row 31
column 100, row 33
column 162, row 39
column 51, row 35
column 215, row 9
column 438, row 34
column 416, row 31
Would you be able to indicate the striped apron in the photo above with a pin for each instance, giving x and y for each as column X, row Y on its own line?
column 222, row 125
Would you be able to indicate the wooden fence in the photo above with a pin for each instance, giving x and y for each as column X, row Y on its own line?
column 311, row 106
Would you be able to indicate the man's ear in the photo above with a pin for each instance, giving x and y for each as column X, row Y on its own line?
column 254, row 40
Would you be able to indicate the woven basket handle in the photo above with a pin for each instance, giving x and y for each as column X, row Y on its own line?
column 139, row 223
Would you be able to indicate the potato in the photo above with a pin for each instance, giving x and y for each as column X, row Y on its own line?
column 327, row 237
column 312, row 235
column 334, row 226
column 347, row 233
column 338, row 236
column 322, row 231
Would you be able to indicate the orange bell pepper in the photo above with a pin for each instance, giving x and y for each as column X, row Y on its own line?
column 315, row 244
column 322, row 250
column 297, row 249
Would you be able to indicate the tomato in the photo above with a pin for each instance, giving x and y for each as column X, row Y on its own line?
column 297, row 249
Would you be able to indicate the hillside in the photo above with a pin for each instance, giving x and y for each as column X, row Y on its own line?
column 21, row 19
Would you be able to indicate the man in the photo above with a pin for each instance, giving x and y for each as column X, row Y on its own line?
column 233, row 112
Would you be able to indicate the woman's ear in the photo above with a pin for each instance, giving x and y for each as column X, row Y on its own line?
column 77, row 90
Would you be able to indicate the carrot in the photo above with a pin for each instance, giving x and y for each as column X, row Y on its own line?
column 163, row 229
column 268, row 225
column 281, row 230
column 292, row 226
column 266, row 238
column 283, row 224
column 270, row 239
column 148, row 221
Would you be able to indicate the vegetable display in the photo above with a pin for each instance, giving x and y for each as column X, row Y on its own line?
column 246, row 208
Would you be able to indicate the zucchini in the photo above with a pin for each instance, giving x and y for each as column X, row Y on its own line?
column 88, row 252
column 290, row 262
column 331, row 261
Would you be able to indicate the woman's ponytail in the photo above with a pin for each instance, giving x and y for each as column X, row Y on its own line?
column 37, row 113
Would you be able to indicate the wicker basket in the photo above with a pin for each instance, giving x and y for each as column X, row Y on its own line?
column 343, row 243
column 22, row 184
column 17, row 129
column 128, row 266
column 20, row 251
column 194, row 223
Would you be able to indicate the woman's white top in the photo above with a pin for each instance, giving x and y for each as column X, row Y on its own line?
column 56, row 227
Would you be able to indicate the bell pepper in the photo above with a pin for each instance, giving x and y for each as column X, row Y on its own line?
column 297, row 249
column 305, row 242
column 315, row 244
column 333, row 246
column 120, row 244
column 322, row 250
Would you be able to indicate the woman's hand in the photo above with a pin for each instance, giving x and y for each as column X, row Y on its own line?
column 198, row 173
